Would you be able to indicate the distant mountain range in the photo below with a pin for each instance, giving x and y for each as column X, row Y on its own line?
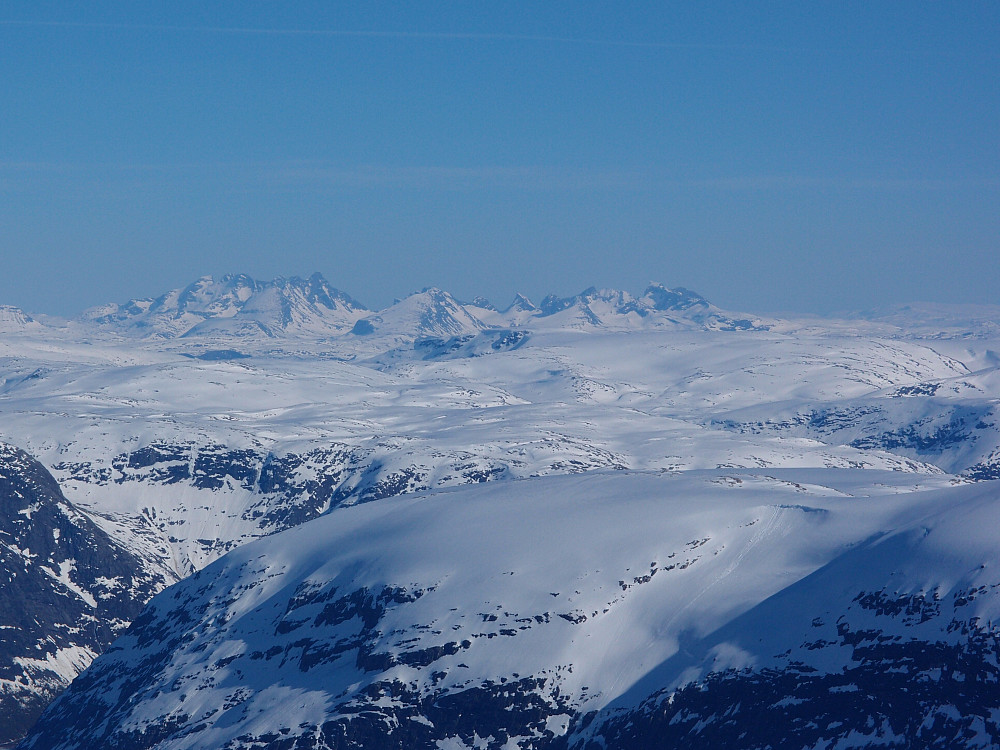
column 237, row 306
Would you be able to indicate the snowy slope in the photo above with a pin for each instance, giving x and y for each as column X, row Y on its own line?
column 14, row 319
column 953, row 423
column 201, row 455
column 66, row 590
column 891, row 644
column 556, row 611
column 234, row 409
column 938, row 321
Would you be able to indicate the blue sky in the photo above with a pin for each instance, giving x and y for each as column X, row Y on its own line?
column 773, row 156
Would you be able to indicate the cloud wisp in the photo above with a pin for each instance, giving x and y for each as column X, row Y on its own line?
column 414, row 35
column 279, row 176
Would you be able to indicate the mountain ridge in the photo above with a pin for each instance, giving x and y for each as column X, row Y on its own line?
column 476, row 616
column 239, row 307
column 235, row 304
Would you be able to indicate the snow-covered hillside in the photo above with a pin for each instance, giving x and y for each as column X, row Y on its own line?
column 14, row 320
column 211, row 453
column 565, row 611
column 66, row 590
column 187, row 426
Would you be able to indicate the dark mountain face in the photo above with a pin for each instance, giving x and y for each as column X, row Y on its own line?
column 67, row 590
column 521, row 304
column 893, row 665
column 892, row 693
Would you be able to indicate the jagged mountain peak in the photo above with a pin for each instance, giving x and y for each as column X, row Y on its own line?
column 320, row 292
column 662, row 298
column 433, row 292
column 520, row 304
column 237, row 304
column 483, row 304
column 553, row 304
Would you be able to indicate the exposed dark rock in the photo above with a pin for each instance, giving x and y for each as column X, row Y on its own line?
column 891, row 693
column 66, row 590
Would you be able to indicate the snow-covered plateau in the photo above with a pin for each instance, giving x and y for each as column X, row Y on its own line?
column 599, row 521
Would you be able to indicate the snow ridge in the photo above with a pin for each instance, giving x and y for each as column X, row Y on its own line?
column 555, row 612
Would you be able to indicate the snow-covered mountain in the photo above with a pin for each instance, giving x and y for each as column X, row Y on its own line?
column 241, row 309
column 613, row 309
column 617, row 610
column 14, row 319
column 430, row 313
column 236, row 305
column 186, row 431
column 657, row 307
column 67, row 590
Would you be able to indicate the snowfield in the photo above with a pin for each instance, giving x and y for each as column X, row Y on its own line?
column 604, row 520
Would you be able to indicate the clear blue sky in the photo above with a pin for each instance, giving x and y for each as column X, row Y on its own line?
column 810, row 156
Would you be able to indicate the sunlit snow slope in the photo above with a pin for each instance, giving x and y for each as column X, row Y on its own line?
column 564, row 611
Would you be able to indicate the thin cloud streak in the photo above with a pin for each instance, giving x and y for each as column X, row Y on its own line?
column 294, row 174
column 416, row 35
column 800, row 182
column 474, row 36
column 456, row 178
